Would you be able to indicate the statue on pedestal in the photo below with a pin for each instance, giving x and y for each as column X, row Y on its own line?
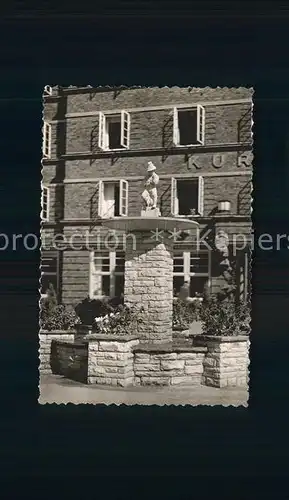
column 150, row 194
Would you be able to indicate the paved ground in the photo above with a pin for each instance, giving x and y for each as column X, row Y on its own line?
column 56, row 389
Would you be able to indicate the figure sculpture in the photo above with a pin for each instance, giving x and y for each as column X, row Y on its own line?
column 150, row 195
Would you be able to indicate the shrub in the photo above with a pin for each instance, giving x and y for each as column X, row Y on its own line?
column 222, row 318
column 124, row 321
column 54, row 316
column 185, row 313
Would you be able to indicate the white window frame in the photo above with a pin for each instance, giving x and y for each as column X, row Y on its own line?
column 47, row 90
column 103, row 135
column 46, row 144
column 175, row 200
column 200, row 126
column 186, row 273
column 45, row 190
column 125, row 129
column 123, row 197
column 94, row 275
column 43, row 273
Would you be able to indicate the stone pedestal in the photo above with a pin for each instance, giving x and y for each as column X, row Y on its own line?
column 149, row 283
column 151, row 212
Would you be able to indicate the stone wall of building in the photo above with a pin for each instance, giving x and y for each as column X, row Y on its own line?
column 227, row 361
column 45, row 339
column 110, row 360
column 162, row 367
column 69, row 359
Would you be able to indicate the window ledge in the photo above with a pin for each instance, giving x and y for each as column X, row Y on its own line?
column 166, row 151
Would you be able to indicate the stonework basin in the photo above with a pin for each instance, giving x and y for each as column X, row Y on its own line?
column 128, row 224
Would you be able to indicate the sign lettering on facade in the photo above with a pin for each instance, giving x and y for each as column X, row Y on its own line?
column 218, row 160
column 245, row 159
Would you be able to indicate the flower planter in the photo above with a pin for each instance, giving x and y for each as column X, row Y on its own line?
column 226, row 361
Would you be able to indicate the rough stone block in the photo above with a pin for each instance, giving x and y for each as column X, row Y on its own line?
column 110, row 355
column 113, row 346
column 170, row 356
column 111, row 362
column 210, row 362
column 184, row 380
column 172, row 365
column 140, row 357
column 210, row 381
column 193, row 362
column 155, row 380
column 191, row 370
column 149, row 367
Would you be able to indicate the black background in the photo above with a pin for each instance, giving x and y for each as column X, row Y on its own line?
column 145, row 43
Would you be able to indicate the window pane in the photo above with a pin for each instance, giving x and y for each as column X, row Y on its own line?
column 188, row 126
column 48, row 264
column 106, row 285
column 178, row 263
column 178, row 281
column 119, row 285
column 188, row 197
column 114, row 132
column 197, row 285
column 199, row 263
column 101, row 263
column 119, row 263
column 47, row 280
column 116, row 200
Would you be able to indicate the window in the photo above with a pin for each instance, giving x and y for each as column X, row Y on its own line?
column 114, row 131
column 193, row 267
column 187, row 196
column 49, row 267
column 112, row 198
column 189, row 126
column 45, row 204
column 107, row 274
column 46, row 149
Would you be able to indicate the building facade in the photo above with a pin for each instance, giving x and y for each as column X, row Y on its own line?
column 96, row 146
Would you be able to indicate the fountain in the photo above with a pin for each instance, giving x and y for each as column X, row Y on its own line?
column 149, row 262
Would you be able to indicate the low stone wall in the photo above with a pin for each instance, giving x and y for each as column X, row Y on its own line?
column 168, row 365
column 45, row 339
column 124, row 361
column 70, row 359
column 110, row 360
column 226, row 362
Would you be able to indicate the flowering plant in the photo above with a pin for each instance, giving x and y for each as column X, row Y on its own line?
column 123, row 321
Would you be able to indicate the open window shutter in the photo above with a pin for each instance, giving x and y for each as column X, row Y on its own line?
column 176, row 134
column 174, row 196
column 100, row 198
column 46, row 147
column 201, row 125
column 123, row 197
column 101, row 133
column 201, row 195
column 125, row 129
column 45, row 203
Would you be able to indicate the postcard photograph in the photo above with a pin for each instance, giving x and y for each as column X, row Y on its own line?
column 146, row 238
